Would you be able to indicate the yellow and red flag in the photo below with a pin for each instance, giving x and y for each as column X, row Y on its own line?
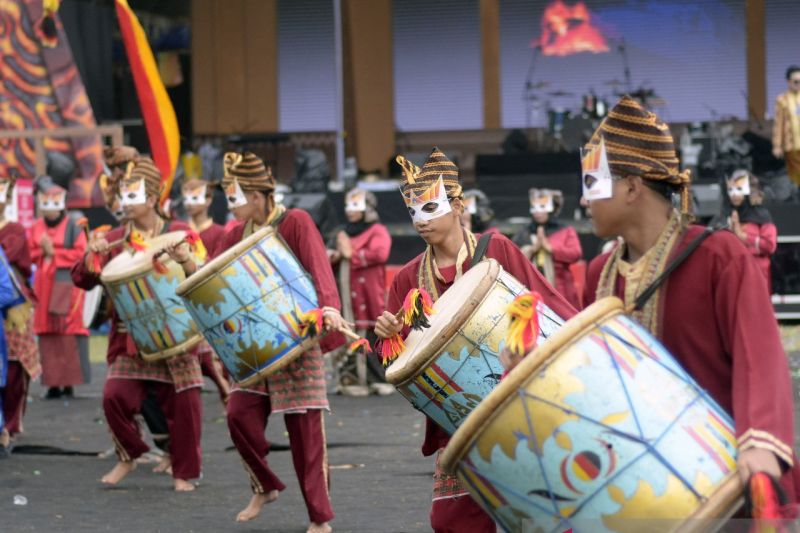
column 157, row 111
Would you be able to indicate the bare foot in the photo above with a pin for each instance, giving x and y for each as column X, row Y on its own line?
column 118, row 473
column 319, row 528
column 164, row 465
column 256, row 503
column 181, row 485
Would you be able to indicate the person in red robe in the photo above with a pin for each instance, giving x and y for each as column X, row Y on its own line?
column 433, row 196
column 550, row 244
column 749, row 220
column 713, row 313
column 361, row 251
column 197, row 196
column 56, row 243
column 23, row 354
column 175, row 382
column 298, row 389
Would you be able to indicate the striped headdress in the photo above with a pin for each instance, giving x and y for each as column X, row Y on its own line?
column 417, row 181
column 143, row 168
column 638, row 143
column 248, row 170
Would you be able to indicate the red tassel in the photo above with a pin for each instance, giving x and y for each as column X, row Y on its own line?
column 95, row 264
column 136, row 241
column 523, row 328
column 158, row 266
column 359, row 346
column 391, row 348
column 417, row 307
column 311, row 323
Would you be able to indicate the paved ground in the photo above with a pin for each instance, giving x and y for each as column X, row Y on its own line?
column 380, row 482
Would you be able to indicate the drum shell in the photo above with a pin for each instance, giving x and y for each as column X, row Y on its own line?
column 447, row 383
column 248, row 302
column 602, row 423
column 154, row 316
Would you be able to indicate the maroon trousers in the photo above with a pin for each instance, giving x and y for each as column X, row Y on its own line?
column 14, row 395
column 247, row 420
column 122, row 399
column 456, row 515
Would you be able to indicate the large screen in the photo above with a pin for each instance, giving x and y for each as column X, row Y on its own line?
column 687, row 57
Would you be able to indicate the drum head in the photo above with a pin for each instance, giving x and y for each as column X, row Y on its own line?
column 129, row 263
column 91, row 305
column 450, row 312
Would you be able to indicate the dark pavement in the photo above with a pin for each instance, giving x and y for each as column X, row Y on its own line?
column 380, row 481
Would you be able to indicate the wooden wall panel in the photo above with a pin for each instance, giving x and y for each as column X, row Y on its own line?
column 204, row 116
column 756, row 58
column 261, row 62
column 490, row 60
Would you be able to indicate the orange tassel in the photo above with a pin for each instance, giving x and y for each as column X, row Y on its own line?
column 391, row 348
column 523, row 328
column 196, row 244
column 158, row 266
column 361, row 345
column 136, row 241
column 417, row 307
column 311, row 323
column 765, row 502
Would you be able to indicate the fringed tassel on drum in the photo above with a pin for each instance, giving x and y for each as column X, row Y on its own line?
column 523, row 329
column 95, row 263
column 764, row 501
column 196, row 244
column 417, row 307
column 137, row 241
column 158, row 266
column 391, row 348
column 311, row 323
column 359, row 346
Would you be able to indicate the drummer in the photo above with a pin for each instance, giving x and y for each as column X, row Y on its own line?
column 175, row 382
column 197, row 195
column 23, row 354
column 433, row 196
column 714, row 312
column 298, row 390
column 56, row 243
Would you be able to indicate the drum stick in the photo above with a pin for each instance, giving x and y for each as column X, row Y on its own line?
column 349, row 333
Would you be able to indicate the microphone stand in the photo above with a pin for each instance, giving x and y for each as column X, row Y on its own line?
column 626, row 69
column 526, row 93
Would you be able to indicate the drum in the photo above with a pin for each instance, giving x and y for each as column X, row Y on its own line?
column 146, row 302
column 596, row 427
column 94, row 307
column 447, row 369
column 248, row 303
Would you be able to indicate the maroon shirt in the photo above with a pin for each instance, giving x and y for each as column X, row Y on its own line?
column 304, row 240
column 717, row 320
column 87, row 280
column 211, row 236
column 511, row 259
column 14, row 241
column 368, row 274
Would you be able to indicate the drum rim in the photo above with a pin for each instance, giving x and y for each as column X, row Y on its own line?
column 399, row 376
column 221, row 262
column 145, row 267
column 573, row 330
column 185, row 346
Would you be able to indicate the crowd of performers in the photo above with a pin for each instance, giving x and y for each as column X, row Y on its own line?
column 713, row 312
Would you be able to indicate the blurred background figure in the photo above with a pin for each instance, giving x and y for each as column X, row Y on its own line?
column 57, row 241
column 750, row 220
column 550, row 244
column 361, row 250
column 786, row 128
column 478, row 215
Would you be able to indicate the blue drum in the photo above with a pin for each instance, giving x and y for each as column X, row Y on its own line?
column 248, row 303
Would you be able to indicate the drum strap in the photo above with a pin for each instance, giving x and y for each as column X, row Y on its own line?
column 70, row 234
column 681, row 257
column 480, row 248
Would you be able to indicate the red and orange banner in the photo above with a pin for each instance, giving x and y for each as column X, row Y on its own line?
column 157, row 111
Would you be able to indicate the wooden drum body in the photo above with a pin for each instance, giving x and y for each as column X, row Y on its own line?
column 447, row 369
column 248, row 303
column 599, row 429
column 146, row 302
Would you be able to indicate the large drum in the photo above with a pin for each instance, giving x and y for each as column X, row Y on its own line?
column 146, row 302
column 598, row 429
column 447, row 369
column 248, row 303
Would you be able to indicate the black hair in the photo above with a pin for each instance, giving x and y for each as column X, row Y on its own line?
column 791, row 70
column 663, row 188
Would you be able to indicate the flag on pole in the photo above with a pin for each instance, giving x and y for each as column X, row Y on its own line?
column 157, row 111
